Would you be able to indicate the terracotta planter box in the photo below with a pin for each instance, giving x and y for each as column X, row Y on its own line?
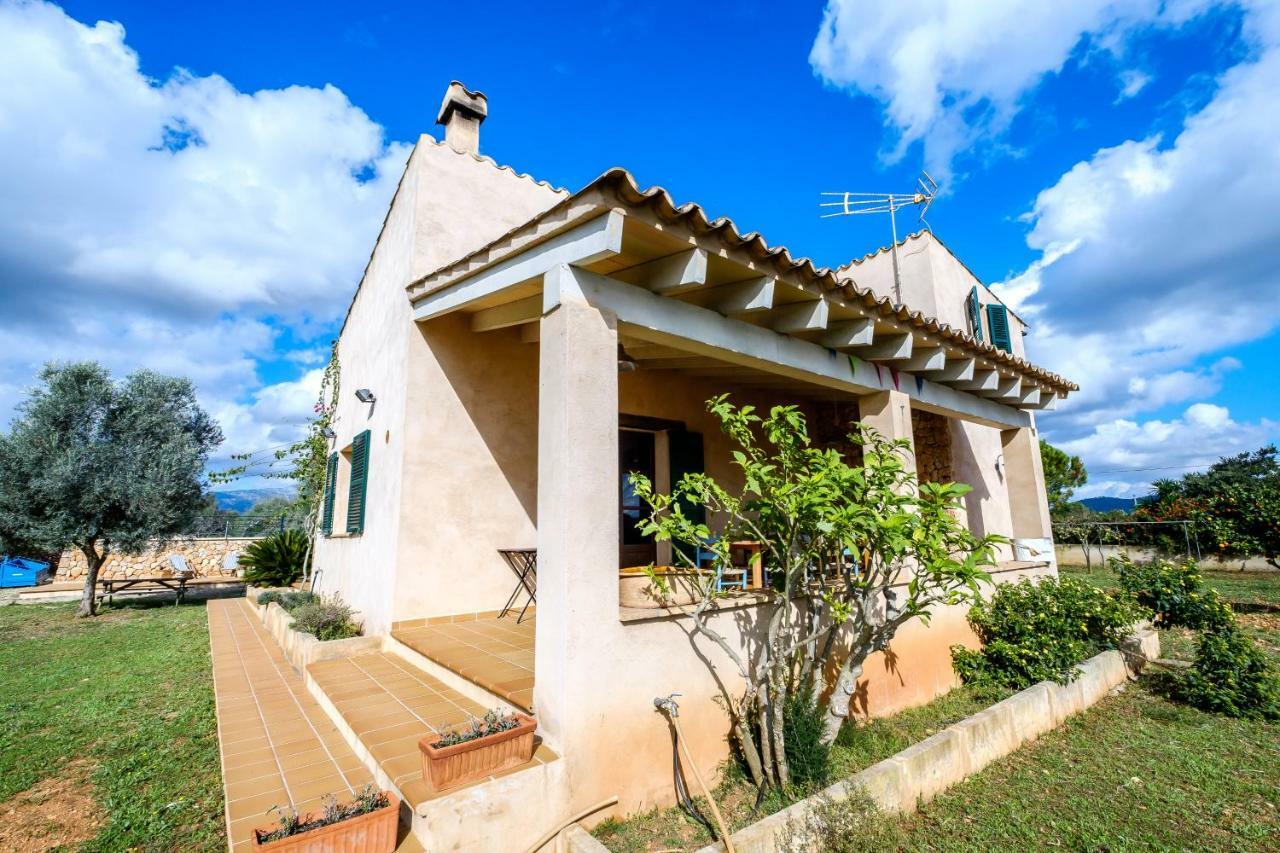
column 636, row 589
column 374, row 832
column 450, row 766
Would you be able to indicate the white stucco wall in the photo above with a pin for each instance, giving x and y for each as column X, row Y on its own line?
column 448, row 204
column 934, row 282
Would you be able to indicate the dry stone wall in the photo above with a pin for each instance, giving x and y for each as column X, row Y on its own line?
column 205, row 557
column 931, row 435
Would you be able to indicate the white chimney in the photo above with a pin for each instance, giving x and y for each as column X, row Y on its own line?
column 461, row 113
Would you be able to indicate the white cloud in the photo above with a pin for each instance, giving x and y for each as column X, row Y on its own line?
column 175, row 224
column 1156, row 255
column 951, row 73
column 1125, row 456
column 1132, row 81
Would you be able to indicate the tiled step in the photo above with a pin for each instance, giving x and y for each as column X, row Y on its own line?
column 278, row 746
column 496, row 654
column 390, row 705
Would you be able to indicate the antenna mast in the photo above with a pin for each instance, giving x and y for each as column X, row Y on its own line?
column 851, row 204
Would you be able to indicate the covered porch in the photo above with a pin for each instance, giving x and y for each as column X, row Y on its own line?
column 614, row 317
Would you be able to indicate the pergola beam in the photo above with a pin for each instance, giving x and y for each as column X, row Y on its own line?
column 702, row 332
column 669, row 275
column 591, row 241
column 850, row 333
column 889, row 348
column 738, row 298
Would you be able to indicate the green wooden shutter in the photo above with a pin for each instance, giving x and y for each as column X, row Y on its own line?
column 685, row 451
column 330, row 487
column 998, row 323
column 975, row 314
column 359, row 482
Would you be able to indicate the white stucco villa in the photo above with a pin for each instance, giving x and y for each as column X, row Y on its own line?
column 517, row 348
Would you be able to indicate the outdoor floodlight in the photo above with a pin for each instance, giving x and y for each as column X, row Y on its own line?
column 328, row 433
column 364, row 395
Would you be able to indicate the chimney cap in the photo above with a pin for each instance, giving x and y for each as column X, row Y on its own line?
column 459, row 97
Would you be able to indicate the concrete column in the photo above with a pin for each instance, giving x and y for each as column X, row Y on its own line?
column 1028, row 502
column 889, row 412
column 577, row 519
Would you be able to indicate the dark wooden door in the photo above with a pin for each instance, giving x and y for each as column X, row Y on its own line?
column 635, row 453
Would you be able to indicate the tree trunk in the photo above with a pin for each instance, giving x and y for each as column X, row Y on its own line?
column 93, row 561
column 842, row 694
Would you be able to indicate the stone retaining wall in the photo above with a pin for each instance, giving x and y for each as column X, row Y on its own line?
column 1073, row 555
column 206, row 557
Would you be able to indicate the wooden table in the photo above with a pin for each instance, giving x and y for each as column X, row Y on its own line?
column 176, row 584
column 755, row 559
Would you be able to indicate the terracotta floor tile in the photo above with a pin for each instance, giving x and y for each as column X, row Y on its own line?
column 246, row 788
column 243, row 772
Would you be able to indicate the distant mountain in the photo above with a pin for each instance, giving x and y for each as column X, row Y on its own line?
column 1107, row 504
column 241, row 500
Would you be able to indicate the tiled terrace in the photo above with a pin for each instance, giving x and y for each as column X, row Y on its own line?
column 391, row 705
column 496, row 654
column 278, row 746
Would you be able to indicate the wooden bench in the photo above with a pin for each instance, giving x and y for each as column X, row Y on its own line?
column 110, row 586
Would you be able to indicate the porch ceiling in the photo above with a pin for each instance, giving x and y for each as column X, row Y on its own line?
column 631, row 253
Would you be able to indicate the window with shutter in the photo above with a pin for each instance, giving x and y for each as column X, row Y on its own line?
column 975, row 315
column 359, row 480
column 330, row 489
column 998, row 323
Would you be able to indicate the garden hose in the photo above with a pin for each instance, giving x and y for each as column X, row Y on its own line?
column 547, row 837
column 673, row 714
column 682, row 790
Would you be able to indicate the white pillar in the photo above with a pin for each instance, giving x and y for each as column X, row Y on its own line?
column 1028, row 502
column 577, row 519
column 889, row 413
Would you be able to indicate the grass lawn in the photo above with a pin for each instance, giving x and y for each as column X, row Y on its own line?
column 1246, row 590
column 1138, row 771
column 107, row 733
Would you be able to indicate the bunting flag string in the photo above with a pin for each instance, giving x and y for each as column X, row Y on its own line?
column 853, row 364
column 919, row 384
column 893, row 371
column 879, row 376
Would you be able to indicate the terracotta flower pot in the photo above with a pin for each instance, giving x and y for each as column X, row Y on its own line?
column 447, row 767
column 374, row 832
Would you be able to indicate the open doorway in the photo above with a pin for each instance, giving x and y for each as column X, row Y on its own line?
column 637, row 453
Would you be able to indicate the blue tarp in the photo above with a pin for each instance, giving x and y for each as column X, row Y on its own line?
column 20, row 571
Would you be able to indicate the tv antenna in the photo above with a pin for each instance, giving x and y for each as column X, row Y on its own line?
column 853, row 204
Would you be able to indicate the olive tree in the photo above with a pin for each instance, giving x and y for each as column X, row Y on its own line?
column 855, row 552
column 104, row 466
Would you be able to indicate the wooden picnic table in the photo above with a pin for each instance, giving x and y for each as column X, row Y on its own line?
column 176, row 584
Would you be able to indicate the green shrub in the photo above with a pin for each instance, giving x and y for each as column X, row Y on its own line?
column 1230, row 676
column 852, row 825
column 803, row 729
column 277, row 560
column 1041, row 631
column 292, row 599
column 269, row 596
column 326, row 619
column 1174, row 592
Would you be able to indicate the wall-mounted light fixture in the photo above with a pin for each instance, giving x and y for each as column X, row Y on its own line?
column 328, row 433
column 364, row 395
column 1000, row 466
column 626, row 363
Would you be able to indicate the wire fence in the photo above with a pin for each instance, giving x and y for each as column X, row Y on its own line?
column 1165, row 537
column 243, row 526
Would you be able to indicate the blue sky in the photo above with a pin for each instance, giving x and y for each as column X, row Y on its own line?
column 1106, row 164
